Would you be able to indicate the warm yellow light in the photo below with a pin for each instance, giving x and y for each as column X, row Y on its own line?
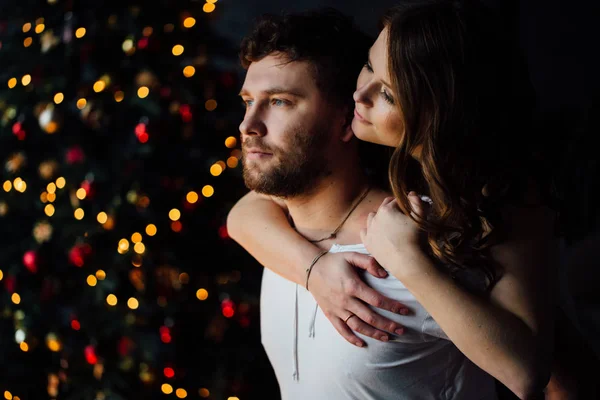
column 143, row 92
column 177, row 50
column 119, row 96
column 232, row 398
column 81, row 193
column 211, row 1
column 1, row 275
column 61, row 182
column 208, row 7
column 15, row 298
column 111, row 299
column 139, row 248
column 51, row 187
column 151, row 230
column 26, row 80
column 79, row 33
column 210, row 105
column 232, row 162
column 133, row 303
column 166, row 388
column 19, row 185
column 174, row 214
column 189, row 22
column 7, row 186
column 40, row 28
column 123, row 246
column 79, row 214
column 24, row 346
column 216, row 170
column 181, row 393
column 92, row 280
column 208, row 191
column 230, row 142
column 136, row 237
column 81, row 103
column 54, row 345
column 101, row 275
column 189, row 71
column 51, row 197
column 202, row 294
column 204, row 392
column 12, row 82
column 102, row 217
column 28, row 41
column 192, row 197
column 99, row 86
column 49, row 210
column 26, row 27
column 127, row 45
column 59, row 97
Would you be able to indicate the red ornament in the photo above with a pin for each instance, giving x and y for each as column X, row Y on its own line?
column 10, row 283
column 125, row 345
column 169, row 372
column 79, row 254
column 89, row 189
column 90, row 354
column 30, row 261
column 75, row 155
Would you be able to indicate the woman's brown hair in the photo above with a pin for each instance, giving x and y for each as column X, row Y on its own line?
column 464, row 94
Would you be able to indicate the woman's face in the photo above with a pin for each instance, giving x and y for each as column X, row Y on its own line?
column 376, row 116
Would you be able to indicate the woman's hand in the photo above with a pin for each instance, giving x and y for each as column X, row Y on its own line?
column 389, row 232
column 340, row 293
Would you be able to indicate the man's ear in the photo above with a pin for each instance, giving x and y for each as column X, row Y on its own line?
column 348, row 133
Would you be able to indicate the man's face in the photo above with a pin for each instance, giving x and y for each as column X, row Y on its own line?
column 286, row 129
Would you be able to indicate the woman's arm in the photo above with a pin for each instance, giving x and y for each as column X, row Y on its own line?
column 510, row 334
column 260, row 225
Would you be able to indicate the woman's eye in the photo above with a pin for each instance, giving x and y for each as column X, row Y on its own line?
column 247, row 103
column 386, row 96
column 368, row 67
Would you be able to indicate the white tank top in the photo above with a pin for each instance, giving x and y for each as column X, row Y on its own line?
column 312, row 361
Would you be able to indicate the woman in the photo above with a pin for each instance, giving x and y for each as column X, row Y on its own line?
column 478, row 256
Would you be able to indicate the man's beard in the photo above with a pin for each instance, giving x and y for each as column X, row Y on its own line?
column 301, row 164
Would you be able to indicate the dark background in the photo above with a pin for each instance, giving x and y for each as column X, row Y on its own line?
column 139, row 158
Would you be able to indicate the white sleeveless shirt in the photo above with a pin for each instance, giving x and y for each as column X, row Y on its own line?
column 312, row 361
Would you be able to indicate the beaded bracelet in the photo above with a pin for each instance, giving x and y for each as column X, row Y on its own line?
column 312, row 264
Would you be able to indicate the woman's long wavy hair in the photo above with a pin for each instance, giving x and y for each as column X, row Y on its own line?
column 467, row 105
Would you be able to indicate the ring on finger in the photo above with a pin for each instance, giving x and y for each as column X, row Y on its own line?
column 348, row 317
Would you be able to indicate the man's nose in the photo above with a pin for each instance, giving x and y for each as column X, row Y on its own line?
column 253, row 124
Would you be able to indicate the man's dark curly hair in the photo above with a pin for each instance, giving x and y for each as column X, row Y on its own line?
column 329, row 40
column 337, row 50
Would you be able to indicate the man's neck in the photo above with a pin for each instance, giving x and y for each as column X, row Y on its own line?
column 319, row 213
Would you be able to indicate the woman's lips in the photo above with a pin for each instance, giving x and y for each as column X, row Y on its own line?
column 360, row 117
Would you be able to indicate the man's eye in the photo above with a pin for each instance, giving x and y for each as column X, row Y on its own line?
column 279, row 102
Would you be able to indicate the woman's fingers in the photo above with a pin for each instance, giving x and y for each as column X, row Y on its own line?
column 358, row 325
column 366, row 262
column 345, row 331
column 362, row 291
column 370, row 323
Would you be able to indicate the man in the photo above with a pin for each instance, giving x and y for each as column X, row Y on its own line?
column 298, row 147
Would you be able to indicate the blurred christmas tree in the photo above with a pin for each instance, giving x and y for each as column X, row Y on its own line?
column 118, row 134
